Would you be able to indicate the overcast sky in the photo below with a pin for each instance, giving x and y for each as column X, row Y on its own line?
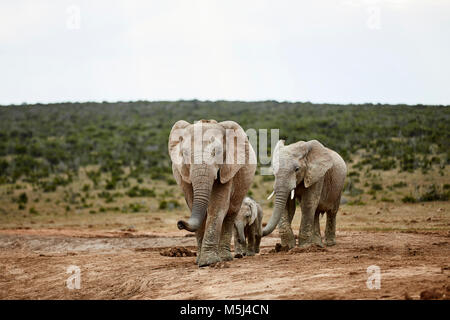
column 338, row 51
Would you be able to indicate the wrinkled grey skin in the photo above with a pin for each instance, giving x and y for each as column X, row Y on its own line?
column 247, row 230
column 317, row 176
column 213, row 189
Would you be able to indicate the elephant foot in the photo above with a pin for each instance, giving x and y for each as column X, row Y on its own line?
column 330, row 242
column 238, row 255
column 287, row 240
column 288, row 245
column 313, row 239
column 226, row 256
column 317, row 240
column 208, row 258
column 307, row 244
column 250, row 253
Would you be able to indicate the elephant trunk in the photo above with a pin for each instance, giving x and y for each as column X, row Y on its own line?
column 240, row 232
column 280, row 204
column 202, row 186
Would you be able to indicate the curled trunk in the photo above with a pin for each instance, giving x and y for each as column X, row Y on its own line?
column 197, row 216
column 240, row 232
column 280, row 204
column 202, row 187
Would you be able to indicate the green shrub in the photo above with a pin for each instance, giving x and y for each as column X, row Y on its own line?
column 357, row 202
column 379, row 164
column 400, row 184
column 434, row 193
column 353, row 174
column 23, row 198
column 163, row 205
column 3, row 167
column 376, row 187
column 171, row 182
column 107, row 196
column 408, row 163
column 94, row 176
column 409, row 199
column 140, row 192
column 169, row 205
column 136, row 207
column 266, row 178
column 47, row 186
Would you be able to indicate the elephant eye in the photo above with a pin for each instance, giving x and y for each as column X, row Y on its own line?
column 297, row 168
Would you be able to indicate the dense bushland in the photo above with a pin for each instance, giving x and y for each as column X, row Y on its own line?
column 46, row 145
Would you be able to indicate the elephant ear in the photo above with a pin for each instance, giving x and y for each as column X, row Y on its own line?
column 179, row 168
column 254, row 210
column 237, row 151
column 318, row 161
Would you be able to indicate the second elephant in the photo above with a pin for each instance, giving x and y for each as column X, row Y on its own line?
column 314, row 175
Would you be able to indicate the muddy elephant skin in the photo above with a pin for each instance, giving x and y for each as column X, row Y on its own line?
column 214, row 164
column 314, row 175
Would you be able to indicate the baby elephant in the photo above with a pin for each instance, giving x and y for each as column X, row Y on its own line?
column 247, row 230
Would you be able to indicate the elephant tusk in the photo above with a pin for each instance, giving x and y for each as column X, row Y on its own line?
column 292, row 194
column 271, row 195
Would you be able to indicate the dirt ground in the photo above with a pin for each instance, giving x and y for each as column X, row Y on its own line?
column 129, row 265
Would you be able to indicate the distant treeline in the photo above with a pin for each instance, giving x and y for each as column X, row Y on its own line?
column 37, row 141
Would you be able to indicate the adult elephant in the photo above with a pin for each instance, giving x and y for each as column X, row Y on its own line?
column 315, row 176
column 214, row 164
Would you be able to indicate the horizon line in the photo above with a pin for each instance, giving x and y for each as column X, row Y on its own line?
column 25, row 104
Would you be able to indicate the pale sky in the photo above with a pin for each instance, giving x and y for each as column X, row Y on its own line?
column 335, row 51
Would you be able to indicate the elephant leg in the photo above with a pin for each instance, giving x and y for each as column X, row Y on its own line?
column 317, row 237
column 309, row 203
column 238, row 248
column 284, row 226
column 217, row 210
column 245, row 244
column 330, row 229
column 257, row 241
column 251, row 242
column 209, row 253
column 225, row 237
column 199, row 235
